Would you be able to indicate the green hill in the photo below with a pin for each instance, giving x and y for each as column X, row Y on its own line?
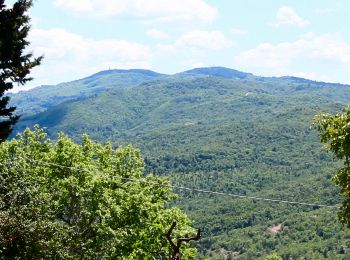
column 223, row 130
column 41, row 98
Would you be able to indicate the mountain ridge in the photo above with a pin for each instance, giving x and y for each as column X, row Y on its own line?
column 42, row 97
column 218, row 71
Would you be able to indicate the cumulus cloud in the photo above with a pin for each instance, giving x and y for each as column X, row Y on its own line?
column 310, row 75
column 157, row 34
column 151, row 10
column 213, row 40
column 195, row 48
column 279, row 59
column 69, row 56
column 286, row 16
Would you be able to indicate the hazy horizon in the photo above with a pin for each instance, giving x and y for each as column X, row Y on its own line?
column 296, row 38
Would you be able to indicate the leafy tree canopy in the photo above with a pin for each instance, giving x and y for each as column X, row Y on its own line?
column 99, row 206
column 15, row 63
column 335, row 131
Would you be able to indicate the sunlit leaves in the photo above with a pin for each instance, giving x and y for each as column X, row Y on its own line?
column 67, row 200
column 335, row 132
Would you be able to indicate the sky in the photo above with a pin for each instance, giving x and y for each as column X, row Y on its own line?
column 309, row 39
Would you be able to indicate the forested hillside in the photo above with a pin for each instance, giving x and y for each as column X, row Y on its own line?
column 41, row 98
column 221, row 130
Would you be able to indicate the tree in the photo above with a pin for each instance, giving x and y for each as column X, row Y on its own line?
column 65, row 200
column 15, row 63
column 335, row 131
column 273, row 256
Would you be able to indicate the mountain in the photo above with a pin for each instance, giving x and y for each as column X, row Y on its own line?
column 220, row 72
column 41, row 98
column 226, row 131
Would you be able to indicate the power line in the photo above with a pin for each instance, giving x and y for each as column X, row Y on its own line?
column 189, row 189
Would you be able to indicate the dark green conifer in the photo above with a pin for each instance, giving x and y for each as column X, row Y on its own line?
column 15, row 61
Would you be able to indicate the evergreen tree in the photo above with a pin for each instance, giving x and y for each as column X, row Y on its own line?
column 15, row 63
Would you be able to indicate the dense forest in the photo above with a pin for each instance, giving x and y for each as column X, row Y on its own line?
column 220, row 130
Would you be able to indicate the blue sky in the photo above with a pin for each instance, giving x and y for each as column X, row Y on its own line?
column 309, row 39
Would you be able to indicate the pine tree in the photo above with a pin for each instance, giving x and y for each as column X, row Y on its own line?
column 15, row 62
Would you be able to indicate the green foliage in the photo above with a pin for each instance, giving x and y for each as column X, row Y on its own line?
column 335, row 131
column 273, row 256
column 235, row 133
column 96, row 207
column 41, row 98
column 15, row 65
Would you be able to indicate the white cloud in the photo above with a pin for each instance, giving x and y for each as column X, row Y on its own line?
column 34, row 20
column 192, row 49
column 70, row 56
column 286, row 16
column 94, row 7
column 157, row 34
column 310, row 75
column 151, row 10
column 213, row 40
column 283, row 58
